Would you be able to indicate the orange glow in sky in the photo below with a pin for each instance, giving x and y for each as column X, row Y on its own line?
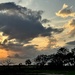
column 3, row 54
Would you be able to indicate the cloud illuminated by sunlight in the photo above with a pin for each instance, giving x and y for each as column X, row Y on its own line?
column 66, row 11
column 70, row 26
column 41, row 43
column 63, row 38
column 3, row 37
column 60, row 40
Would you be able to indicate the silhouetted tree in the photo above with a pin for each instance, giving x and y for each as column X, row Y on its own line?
column 28, row 62
column 20, row 64
column 8, row 62
column 59, row 58
column 73, row 56
column 1, row 63
column 41, row 60
column 63, row 51
column 73, row 51
column 69, row 59
column 51, row 60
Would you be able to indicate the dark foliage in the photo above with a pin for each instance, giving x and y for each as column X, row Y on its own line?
column 28, row 62
column 63, row 57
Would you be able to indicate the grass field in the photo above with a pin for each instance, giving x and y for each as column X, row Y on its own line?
column 43, row 72
column 23, row 70
column 52, row 72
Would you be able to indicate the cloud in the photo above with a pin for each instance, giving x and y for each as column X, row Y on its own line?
column 40, row 43
column 72, row 23
column 71, row 43
column 37, row 46
column 25, row 3
column 19, row 1
column 30, row 52
column 66, row 11
column 45, row 21
column 70, row 27
column 28, row 2
column 22, row 23
column 45, row 43
column 20, row 26
column 25, row 52
column 16, row 56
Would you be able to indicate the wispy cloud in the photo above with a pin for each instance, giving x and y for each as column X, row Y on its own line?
column 25, row 2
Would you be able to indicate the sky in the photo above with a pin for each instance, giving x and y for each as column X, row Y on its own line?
column 32, row 27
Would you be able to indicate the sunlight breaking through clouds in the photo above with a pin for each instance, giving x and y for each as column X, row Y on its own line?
column 40, row 43
column 25, row 33
column 3, row 37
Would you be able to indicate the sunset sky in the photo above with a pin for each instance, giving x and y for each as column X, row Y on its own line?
column 32, row 27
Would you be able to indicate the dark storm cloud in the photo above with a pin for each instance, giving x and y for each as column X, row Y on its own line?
column 22, row 23
column 10, row 5
column 12, row 47
column 50, row 29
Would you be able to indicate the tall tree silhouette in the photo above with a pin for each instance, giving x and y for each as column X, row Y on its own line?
column 59, row 58
column 51, row 60
column 41, row 60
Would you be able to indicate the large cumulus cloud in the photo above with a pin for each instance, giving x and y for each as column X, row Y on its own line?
column 22, row 23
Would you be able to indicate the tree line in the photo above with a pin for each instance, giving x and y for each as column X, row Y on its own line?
column 63, row 57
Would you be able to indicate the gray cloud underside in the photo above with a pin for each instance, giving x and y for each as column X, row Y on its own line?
column 71, row 43
column 66, row 11
column 31, row 52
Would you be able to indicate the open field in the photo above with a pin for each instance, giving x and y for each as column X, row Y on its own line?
column 24, row 70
